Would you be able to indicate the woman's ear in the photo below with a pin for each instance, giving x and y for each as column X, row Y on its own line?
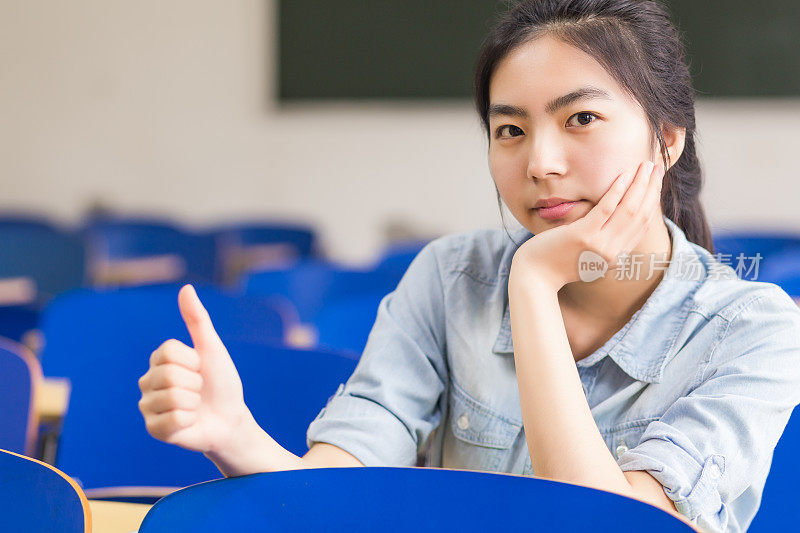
column 675, row 138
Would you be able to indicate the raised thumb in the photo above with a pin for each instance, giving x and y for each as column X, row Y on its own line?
column 197, row 320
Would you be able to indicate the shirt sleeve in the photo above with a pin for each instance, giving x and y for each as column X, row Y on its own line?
column 708, row 445
column 388, row 408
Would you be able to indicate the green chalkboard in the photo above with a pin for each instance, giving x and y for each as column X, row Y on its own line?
column 426, row 49
column 742, row 48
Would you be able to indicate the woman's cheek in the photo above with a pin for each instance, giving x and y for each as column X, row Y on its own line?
column 506, row 171
column 625, row 148
column 600, row 169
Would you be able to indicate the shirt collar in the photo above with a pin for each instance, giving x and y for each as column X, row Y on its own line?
column 641, row 348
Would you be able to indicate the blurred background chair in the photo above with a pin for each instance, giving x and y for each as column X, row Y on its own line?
column 336, row 304
column 249, row 246
column 308, row 285
column 19, row 322
column 395, row 258
column 312, row 286
column 750, row 243
column 139, row 251
column 399, row 500
column 281, row 260
column 779, row 510
column 34, row 496
column 783, row 269
column 20, row 378
column 345, row 323
column 37, row 259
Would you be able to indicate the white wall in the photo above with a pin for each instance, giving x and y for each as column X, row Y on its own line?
column 165, row 107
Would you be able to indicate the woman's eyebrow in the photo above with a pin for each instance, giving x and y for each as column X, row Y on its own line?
column 583, row 93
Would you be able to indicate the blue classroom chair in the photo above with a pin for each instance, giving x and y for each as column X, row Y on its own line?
column 52, row 257
column 779, row 510
column 105, row 347
column 301, row 237
column 20, row 377
column 23, row 221
column 18, row 320
column 397, row 257
column 345, row 324
column 180, row 255
column 400, row 500
column 781, row 268
column 344, row 321
column 250, row 246
column 150, row 313
column 749, row 243
column 34, row 496
column 309, row 285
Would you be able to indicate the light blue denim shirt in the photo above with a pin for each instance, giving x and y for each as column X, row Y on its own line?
column 696, row 388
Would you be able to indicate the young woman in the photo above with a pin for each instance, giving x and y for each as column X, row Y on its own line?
column 670, row 381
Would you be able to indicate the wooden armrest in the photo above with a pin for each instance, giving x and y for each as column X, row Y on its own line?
column 151, row 269
column 52, row 398
column 17, row 291
column 117, row 517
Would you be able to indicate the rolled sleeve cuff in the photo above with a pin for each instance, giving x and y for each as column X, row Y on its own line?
column 365, row 429
column 693, row 487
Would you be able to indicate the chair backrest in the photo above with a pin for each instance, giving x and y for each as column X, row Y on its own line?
column 103, row 346
column 398, row 256
column 779, row 510
column 345, row 319
column 149, row 314
column 399, row 500
column 302, row 238
column 781, row 267
column 345, row 324
column 254, row 246
column 52, row 257
column 310, row 285
column 34, row 496
column 286, row 388
column 17, row 320
column 178, row 254
column 20, row 377
column 750, row 243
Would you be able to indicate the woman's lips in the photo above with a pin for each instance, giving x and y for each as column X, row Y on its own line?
column 557, row 211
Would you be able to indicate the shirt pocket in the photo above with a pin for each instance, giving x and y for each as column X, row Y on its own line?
column 483, row 437
column 624, row 436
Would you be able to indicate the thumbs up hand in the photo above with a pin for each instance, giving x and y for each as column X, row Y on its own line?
column 193, row 397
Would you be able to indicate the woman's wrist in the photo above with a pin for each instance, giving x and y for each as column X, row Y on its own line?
column 524, row 276
column 250, row 450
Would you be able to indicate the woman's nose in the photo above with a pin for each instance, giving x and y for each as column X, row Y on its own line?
column 546, row 157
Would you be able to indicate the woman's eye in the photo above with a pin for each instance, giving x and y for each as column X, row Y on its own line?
column 584, row 118
column 511, row 128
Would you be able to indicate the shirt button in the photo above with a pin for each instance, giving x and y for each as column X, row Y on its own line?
column 621, row 448
column 713, row 471
column 463, row 422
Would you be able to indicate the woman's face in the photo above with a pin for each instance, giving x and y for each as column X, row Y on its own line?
column 546, row 141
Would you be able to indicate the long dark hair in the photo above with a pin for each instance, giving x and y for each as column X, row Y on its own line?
column 638, row 45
